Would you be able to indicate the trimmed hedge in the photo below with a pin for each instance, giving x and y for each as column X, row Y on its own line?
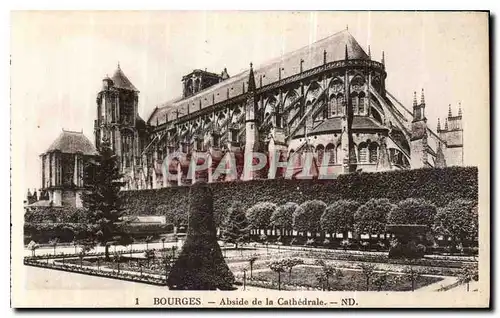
column 67, row 232
column 437, row 185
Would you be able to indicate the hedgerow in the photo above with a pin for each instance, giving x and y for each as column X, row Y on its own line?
column 439, row 186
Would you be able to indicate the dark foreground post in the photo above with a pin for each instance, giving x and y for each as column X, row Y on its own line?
column 200, row 265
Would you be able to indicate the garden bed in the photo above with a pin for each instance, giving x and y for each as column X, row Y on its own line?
column 146, row 279
column 305, row 276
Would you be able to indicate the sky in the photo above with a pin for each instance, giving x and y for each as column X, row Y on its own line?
column 58, row 60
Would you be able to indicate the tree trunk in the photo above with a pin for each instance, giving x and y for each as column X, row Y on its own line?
column 279, row 280
column 54, row 250
column 367, row 284
column 106, row 252
column 251, row 270
column 290, row 275
column 467, row 286
column 345, row 235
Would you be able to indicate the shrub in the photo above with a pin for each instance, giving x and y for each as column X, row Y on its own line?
column 259, row 216
column 459, row 220
column 200, row 265
column 307, row 216
column 339, row 217
column 235, row 229
column 282, row 217
column 371, row 217
column 413, row 211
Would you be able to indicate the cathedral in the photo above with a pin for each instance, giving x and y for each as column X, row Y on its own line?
column 326, row 98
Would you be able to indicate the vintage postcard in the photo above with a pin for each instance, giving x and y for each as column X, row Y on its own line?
column 260, row 159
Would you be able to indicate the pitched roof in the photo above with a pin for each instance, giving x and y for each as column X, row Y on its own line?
column 121, row 81
column 72, row 142
column 335, row 124
column 267, row 73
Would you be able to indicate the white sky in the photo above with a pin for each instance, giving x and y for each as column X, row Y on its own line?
column 59, row 59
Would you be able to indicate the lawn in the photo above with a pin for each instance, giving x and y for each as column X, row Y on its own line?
column 351, row 280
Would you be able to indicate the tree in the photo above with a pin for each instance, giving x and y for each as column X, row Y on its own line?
column 149, row 255
column 259, row 216
column 289, row 264
column 328, row 271
column 148, row 240
column 413, row 211
column 381, row 280
column 371, row 217
column 339, row 217
column 282, row 218
column 468, row 273
column 368, row 272
column 200, row 265
column 278, row 267
column 307, row 216
column 235, row 229
column 103, row 199
column 251, row 261
column 459, row 220
column 412, row 276
column 53, row 243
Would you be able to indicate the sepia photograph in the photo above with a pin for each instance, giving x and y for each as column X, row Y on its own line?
column 250, row 159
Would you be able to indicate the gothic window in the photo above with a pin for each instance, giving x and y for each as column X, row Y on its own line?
column 373, row 150
column 234, row 135
column 361, row 103
column 338, row 151
column 332, row 106
column 330, row 150
column 357, row 83
column 320, row 150
column 340, row 104
column 363, row 152
column 336, row 85
column 216, row 140
column 199, row 144
column 354, row 103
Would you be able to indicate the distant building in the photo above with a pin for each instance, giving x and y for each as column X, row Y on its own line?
column 62, row 169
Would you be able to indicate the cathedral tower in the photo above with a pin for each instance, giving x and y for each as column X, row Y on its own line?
column 119, row 124
column 419, row 134
column 453, row 135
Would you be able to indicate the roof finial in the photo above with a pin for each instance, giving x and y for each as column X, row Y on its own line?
column 414, row 99
column 346, row 55
column 438, row 125
column 422, row 98
column 347, row 27
column 119, row 65
column 459, row 108
column 369, row 53
column 449, row 111
column 446, row 124
column 251, row 65
column 324, row 57
column 383, row 58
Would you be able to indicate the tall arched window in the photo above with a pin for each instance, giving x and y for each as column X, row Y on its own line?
column 354, row 103
column 373, row 149
column 340, row 104
column 330, row 149
column 320, row 150
column 332, row 106
column 363, row 152
column 361, row 103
